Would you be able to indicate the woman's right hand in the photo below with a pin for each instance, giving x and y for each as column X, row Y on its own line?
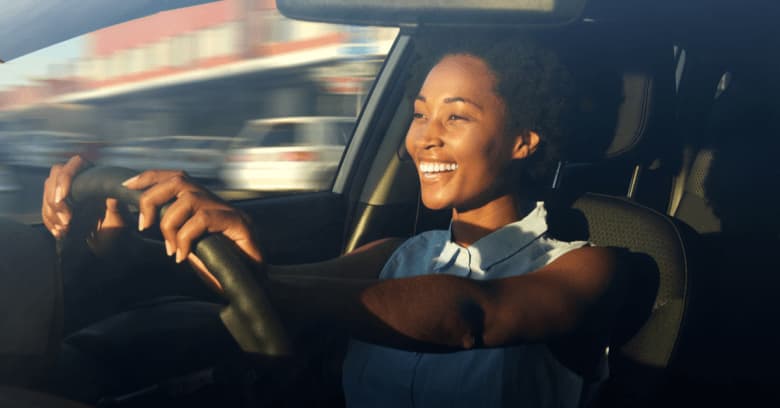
column 55, row 211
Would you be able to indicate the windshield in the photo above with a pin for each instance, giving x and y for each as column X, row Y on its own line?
column 181, row 88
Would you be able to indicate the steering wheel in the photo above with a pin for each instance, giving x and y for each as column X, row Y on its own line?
column 249, row 316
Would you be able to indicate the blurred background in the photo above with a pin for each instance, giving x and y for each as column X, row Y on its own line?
column 246, row 101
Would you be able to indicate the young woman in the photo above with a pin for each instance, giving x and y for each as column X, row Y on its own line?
column 493, row 311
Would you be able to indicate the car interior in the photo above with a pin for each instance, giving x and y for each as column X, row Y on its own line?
column 680, row 176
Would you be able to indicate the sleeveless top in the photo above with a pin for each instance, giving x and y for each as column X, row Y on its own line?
column 527, row 375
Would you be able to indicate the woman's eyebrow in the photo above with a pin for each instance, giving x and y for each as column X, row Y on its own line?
column 461, row 99
column 453, row 99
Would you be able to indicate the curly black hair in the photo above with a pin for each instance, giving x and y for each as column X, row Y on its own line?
column 541, row 93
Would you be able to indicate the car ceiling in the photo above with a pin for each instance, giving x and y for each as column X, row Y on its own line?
column 30, row 25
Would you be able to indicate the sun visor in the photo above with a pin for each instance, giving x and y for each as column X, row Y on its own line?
column 446, row 12
column 30, row 25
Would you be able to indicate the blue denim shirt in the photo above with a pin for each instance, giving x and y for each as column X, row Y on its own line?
column 519, row 376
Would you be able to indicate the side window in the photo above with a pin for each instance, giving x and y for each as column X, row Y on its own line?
column 205, row 96
column 344, row 131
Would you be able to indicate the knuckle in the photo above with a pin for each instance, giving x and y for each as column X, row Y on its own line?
column 55, row 169
column 179, row 178
column 202, row 216
column 166, row 224
column 188, row 195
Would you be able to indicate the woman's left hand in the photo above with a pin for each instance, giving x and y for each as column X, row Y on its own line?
column 193, row 212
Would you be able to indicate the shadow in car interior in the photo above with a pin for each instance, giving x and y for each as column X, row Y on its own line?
column 731, row 199
column 31, row 303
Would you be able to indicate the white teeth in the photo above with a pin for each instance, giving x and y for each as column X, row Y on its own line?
column 427, row 167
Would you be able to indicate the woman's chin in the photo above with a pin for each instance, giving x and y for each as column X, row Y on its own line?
column 436, row 203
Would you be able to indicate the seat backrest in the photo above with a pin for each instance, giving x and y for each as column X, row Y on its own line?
column 648, row 327
column 619, row 222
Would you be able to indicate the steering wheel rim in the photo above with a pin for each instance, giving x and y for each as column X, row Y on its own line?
column 249, row 315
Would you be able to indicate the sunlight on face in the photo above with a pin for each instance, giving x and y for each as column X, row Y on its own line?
column 457, row 138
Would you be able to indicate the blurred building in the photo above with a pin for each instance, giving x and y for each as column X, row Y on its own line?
column 207, row 69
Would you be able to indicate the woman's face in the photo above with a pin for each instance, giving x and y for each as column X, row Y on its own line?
column 458, row 138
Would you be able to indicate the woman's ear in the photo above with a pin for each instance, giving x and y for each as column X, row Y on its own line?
column 525, row 144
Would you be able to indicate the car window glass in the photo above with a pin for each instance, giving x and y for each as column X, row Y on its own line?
column 344, row 131
column 248, row 102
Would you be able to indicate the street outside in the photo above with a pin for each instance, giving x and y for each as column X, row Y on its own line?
column 21, row 190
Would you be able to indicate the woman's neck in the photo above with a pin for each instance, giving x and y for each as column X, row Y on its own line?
column 471, row 225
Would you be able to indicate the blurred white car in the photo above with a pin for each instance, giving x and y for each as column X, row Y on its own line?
column 287, row 154
column 199, row 156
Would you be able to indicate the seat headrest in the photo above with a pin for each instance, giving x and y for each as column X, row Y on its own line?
column 633, row 113
column 643, row 70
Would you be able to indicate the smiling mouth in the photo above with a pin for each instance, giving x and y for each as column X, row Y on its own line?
column 431, row 168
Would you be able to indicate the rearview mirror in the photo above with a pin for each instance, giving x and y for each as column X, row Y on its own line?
column 406, row 12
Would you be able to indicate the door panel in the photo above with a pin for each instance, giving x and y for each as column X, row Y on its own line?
column 299, row 228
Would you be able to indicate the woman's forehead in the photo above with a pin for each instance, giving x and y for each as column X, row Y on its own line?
column 460, row 75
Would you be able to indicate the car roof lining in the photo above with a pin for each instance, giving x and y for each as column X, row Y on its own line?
column 30, row 25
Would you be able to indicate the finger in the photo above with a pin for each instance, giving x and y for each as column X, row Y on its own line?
column 195, row 227
column 241, row 234
column 53, row 225
column 112, row 219
column 204, row 273
column 226, row 222
column 49, row 220
column 46, row 209
column 151, row 177
column 50, row 185
column 65, row 177
column 158, row 195
column 175, row 216
column 58, row 215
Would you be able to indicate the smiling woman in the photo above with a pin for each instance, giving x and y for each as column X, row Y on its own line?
column 472, row 308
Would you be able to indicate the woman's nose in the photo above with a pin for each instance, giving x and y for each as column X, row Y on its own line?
column 431, row 135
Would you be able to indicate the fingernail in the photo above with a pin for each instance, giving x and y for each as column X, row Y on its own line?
column 168, row 248
column 130, row 180
column 179, row 256
column 141, row 225
column 58, row 194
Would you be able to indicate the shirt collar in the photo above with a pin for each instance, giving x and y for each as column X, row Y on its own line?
column 505, row 241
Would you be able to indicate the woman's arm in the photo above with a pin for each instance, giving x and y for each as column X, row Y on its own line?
column 445, row 313
column 434, row 312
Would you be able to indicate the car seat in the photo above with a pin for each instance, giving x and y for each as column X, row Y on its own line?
column 647, row 334
column 727, row 196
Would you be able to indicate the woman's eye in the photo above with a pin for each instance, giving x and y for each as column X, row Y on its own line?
column 417, row 115
column 457, row 117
